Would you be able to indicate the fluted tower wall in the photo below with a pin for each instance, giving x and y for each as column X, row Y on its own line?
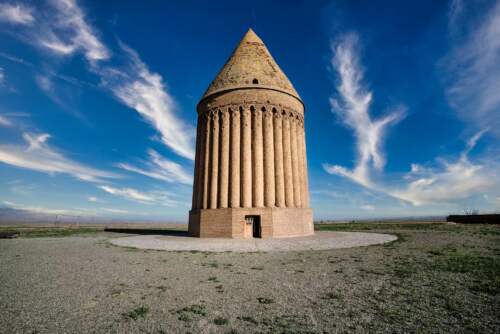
column 250, row 175
column 251, row 155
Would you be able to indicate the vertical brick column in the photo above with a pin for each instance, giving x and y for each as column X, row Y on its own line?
column 297, row 187
column 305, row 182
column 246, row 160
column 269, row 191
column 224, row 159
column 287, row 157
column 206, row 160
column 258, row 160
column 198, row 171
column 214, row 165
column 278, row 159
column 235, row 158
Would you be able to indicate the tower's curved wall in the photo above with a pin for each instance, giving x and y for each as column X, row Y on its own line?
column 251, row 159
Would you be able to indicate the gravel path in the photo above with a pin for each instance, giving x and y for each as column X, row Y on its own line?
column 320, row 241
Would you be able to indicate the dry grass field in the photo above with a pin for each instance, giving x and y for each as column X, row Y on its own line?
column 435, row 278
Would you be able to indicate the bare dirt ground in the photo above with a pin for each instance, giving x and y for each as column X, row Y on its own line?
column 435, row 278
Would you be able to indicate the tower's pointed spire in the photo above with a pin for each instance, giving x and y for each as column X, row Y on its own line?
column 251, row 66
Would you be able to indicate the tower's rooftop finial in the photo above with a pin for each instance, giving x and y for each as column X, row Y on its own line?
column 251, row 36
column 251, row 66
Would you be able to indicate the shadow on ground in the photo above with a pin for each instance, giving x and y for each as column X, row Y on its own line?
column 147, row 231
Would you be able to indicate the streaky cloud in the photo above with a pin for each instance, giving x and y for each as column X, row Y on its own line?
column 446, row 183
column 450, row 181
column 16, row 14
column 154, row 197
column 68, row 32
column 144, row 91
column 352, row 107
column 4, row 121
column 160, row 168
column 472, row 67
column 38, row 155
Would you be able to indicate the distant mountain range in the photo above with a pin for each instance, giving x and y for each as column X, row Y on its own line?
column 13, row 216
column 17, row 216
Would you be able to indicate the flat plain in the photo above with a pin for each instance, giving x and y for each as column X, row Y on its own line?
column 436, row 277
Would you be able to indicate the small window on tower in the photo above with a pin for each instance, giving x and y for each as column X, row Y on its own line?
column 255, row 81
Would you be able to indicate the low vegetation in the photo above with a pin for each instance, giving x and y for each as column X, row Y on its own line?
column 137, row 313
column 52, row 232
column 436, row 277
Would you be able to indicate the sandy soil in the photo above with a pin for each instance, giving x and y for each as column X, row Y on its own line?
column 433, row 279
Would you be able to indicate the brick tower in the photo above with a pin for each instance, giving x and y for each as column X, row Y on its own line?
column 250, row 176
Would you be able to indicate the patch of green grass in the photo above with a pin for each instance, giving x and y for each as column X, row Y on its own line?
column 264, row 300
column 370, row 226
column 185, row 317
column 194, row 309
column 248, row 319
column 51, row 232
column 393, row 244
column 330, row 296
column 137, row 313
column 484, row 270
column 211, row 264
column 221, row 321
column 287, row 324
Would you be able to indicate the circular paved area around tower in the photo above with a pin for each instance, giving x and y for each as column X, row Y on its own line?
column 320, row 241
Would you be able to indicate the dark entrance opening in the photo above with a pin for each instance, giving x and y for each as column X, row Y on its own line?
column 256, row 229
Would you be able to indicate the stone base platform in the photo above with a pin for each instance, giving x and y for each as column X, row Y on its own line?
column 319, row 241
column 242, row 223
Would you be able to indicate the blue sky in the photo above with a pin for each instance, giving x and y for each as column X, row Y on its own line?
column 97, row 102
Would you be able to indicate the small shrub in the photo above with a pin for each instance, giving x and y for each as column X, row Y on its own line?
column 137, row 313
column 221, row 321
column 248, row 319
column 185, row 317
column 331, row 295
column 195, row 309
column 257, row 268
column 264, row 300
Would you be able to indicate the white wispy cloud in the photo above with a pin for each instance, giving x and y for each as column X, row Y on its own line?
column 50, row 211
column 103, row 211
column 154, row 197
column 44, row 83
column 128, row 193
column 67, row 32
column 2, row 77
column 39, row 156
column 450, row 180
column 160, row 168
column 472, row 68
column 445, row 182
column 113, row 210
column 352, row 107
column 16, row 14
column 144, row 91
column 93, row 199
column 4, row 121
column 61, row 94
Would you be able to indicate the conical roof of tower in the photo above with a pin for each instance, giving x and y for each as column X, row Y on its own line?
column 251, row 66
